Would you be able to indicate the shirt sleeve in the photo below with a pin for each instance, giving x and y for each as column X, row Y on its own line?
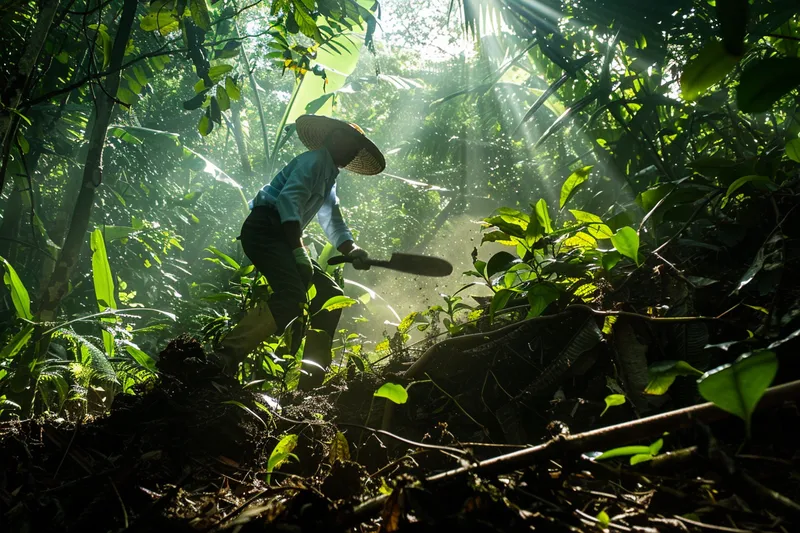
column 296, row 192
column 330, row 218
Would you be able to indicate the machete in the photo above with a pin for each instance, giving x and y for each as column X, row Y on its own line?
column 422, row 265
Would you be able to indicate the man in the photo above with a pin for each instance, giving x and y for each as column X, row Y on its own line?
column 272, row 239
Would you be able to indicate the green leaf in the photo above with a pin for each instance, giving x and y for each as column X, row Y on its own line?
column 141, row 357
column 126, row 96
column 595, row 226
column 613, row 400
column 407, row 322
column 205, row 126
column 165, row 22
column 765, row 81
column 232, row 89
column 17, row 343
column 281, row 453
column 709, row 67
column 626, row 241
column 338, row 302
column 543, row 216
column 738, row 387
column 540, row 296
column 662, row 375
column 640, row 458
column 225, row 257
column 218, row 71
column 500, row 262
column 340, row 448
column 741, row 182
column 222, row 98
column 200, row 15
column 392, row 392
column 610, row 260
column 19, row 294
column 573, row 184
column 104, row 290
column 623, row 452
column 603, row 519
column 793, row 150
column 499, row 301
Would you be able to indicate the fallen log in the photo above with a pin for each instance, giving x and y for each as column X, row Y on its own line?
column 598, row 439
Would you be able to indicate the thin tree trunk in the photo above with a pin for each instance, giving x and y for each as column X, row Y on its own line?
column 238, row 135
column 18, row 82
column 256, row 99
column 92, row 172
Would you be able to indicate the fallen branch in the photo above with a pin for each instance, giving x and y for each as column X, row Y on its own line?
column 598, row 439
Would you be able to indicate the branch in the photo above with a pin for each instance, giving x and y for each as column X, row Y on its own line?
column 598, row 439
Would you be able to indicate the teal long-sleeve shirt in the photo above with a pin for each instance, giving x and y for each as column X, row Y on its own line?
column 304, row 188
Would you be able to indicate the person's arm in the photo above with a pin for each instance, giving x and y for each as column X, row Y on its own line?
column 339, row 235
column 290, row 204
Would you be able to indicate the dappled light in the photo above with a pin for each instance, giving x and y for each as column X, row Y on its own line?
column 388, row 266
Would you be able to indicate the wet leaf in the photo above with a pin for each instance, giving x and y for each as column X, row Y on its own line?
column 738, row 387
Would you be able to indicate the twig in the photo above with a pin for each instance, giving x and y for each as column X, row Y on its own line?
column 582, row 442
column 712, row 527
column 121, row 504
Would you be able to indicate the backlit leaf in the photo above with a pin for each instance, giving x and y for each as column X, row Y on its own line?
column 626, row 241
column 709, row 67
column 738, row 387
column 392, row 392
column 19, row 294
column 573, row 184
column 793, row 150
column 338, row 302
column 613, row 400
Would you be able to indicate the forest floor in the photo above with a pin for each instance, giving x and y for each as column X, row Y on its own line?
column 193, row 453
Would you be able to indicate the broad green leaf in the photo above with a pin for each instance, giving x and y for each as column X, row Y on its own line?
column 793, row 150
column 19, row 294
column 500, row 262
column 200, row 15
column 540, row 296
column 610, row 260
column 573, row 184
column 741, row 182
column 613, row 400
column 543, row 216
column 407, row 322
column 17, row 343
column 662, row 375
column 104, row 290
column 231, row 89
column 141, row 357
column 204, row 126
column 392, row 392
column 738, row 387
column 281, row 453
column 626, row 241
column 114, row 233
column 338, row 302
column 126, row 96
column 218, row 71
column 222, row 98
column 709, row 67
column 595, row 226
column 165, row 22
column 499, row 301
column 765, row 81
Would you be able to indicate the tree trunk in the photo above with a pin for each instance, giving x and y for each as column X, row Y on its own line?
column 18, row 82
column 238, row 135
column 256, row 99
column 92, row 172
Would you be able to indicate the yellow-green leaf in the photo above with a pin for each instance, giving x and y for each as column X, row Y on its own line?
column 19, row 294
column 626, row 241
column 573, row 184
column 793, row 150
column 709, row 67
column 612, row 400
column 222, row 98
column 392, row 392
column 232, row 89
column 200, row 15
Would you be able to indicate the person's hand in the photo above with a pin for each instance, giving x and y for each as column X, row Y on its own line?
column 360, row 257
column 303, row 262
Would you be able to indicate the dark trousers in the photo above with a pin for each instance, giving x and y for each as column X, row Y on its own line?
column 264, row 244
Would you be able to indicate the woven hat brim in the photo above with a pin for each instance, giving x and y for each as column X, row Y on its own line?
column 314, row 129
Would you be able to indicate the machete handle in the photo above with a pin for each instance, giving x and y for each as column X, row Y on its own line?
column 339, row 259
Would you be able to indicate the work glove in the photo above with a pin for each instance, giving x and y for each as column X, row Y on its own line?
column 303, row 262
column 360, row 257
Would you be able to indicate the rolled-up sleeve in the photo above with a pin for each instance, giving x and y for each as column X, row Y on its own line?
column 295, row 194
column 330, row 218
